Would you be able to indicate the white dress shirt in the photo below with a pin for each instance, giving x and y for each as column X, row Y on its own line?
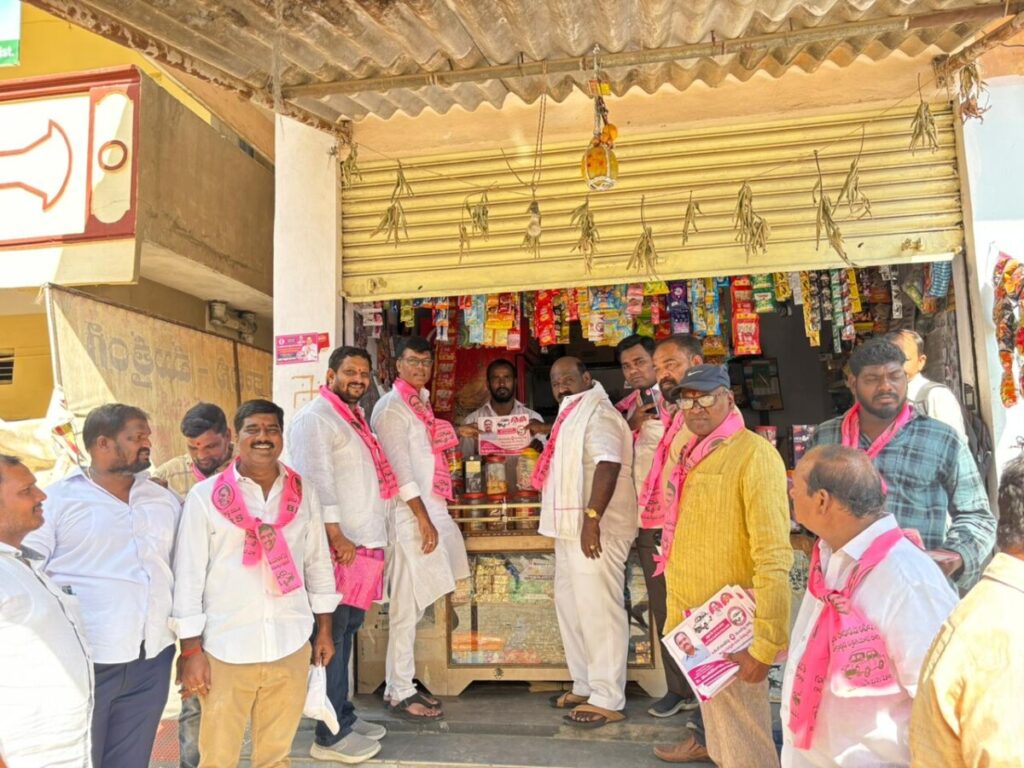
column 238, row 609
column 907, row 598
column 939, row 403
column 332, row 457
column 115, row 558
column 46, row 675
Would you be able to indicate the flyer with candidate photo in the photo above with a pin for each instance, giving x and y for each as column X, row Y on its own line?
column 700, row 642
column 504, row 435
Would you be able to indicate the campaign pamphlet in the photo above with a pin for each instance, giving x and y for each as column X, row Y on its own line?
column 361, row 583
column 699, row 643
column 504, row 435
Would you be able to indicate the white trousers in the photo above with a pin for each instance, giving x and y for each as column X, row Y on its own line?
column 403, row 616
column 591, row 608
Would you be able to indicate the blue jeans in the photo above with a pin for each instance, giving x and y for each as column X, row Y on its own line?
column 347, row 621
column 129, row 700
column 188, row 732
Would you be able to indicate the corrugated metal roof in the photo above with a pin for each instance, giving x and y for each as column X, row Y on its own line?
column 330, row 40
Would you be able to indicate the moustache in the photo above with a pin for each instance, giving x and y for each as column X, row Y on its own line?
column 262, row 445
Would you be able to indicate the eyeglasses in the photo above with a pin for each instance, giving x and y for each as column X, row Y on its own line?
column 704, row 401
column 417, row 362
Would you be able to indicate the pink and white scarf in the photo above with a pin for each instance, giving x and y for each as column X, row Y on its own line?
column 693, row 454
column 263, row 539
column 850, row 430
column 653, row 503
column 442, row 436
column 841, row 632
column 355, row 419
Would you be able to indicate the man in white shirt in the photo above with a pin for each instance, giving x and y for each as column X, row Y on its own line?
column 252, row 570
column 501, row 384
column 107, row 539
column 588, row 505
column 429, row 554
column 929, row 397
column 330, row 443
column 45, row 670
column 858, row 713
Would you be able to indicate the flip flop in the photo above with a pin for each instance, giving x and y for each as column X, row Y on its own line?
column 427, row 701
column 605, row 716
column 566, row 700
column 401, row 709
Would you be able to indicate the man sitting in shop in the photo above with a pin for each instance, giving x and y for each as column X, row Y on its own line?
column 672, row 358
column 208, row 451
column 730, row 526
column 932, row 481
column 929, row 397
column 588, row 506
column 501, row 386
column 886, row 585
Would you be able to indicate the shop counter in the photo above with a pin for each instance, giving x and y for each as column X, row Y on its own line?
column 500, row 624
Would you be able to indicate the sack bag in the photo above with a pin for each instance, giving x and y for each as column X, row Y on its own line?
column 318, row 706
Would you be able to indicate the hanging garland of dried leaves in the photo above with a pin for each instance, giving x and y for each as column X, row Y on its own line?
column 479, row 214
column 393, row 220
column 751, row 228
column 972, row 88
column 922, row 128
column 825, row 221
column 858, row 202
column 589, row 237
column 690, row 218
column 645, row 254
column 350, row 170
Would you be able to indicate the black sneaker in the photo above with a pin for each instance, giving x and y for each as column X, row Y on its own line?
column 670, row 704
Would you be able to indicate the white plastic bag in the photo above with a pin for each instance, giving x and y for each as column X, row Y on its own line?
column 318, row 706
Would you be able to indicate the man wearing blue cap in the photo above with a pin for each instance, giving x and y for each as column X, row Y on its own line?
column 728, row 523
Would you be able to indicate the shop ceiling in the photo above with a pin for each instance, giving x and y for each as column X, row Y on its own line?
column 340, row 60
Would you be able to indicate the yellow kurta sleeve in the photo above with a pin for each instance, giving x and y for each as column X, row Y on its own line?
column 766, row 509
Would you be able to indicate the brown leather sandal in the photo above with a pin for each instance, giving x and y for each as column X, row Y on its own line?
column 567, row 700
column 604, row 716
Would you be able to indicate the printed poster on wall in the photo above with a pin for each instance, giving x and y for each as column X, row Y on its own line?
column 300, row 347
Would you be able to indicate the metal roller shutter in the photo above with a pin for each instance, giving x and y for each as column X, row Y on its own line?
column 915, row 200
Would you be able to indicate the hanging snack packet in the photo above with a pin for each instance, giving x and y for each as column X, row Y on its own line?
column 783, row 288
column 764, row 293
column 746, row 333
column 635, row 299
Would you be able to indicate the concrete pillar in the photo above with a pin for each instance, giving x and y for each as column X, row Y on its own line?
column 992, row 164
column 307, row 253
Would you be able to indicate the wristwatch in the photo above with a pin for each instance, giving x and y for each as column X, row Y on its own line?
column 592, row 513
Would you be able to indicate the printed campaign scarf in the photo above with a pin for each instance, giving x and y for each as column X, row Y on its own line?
column 354, row 418
column 652, row 498
column 442, row 436
column 851, row 429
column 840, row 633
column 695, row 452
column 263, row 539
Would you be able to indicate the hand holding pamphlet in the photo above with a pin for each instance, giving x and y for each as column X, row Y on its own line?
column 701, row 641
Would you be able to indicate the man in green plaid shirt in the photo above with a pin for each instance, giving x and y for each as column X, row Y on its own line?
column 933, row 483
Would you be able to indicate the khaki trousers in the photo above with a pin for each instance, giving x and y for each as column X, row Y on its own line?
column 272, row 694
column 738, row 723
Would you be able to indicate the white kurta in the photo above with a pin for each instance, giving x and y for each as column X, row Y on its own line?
column 589, row 594
column 907, row 598
column 46, row 675
column 416, row 580
column 116, row 557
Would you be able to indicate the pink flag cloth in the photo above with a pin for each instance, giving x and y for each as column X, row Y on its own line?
column 543, row 466
column 355, row 419
column 693, row 454
column 845, row 652
column 652, row 500
column 362, row 582
column 263, row 539
column 850, row 430
column 442, row 436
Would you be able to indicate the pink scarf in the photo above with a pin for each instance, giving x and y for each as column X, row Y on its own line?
column 652, row 499
column 543, row 466
column 263, row 538
column 385, row 475
column 628, row 401
column 695, row 452
column 840, row 633
column 851, row 429
column 442, row 436
column 197, row 474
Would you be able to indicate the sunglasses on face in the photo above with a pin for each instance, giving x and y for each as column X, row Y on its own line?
column 704, row 401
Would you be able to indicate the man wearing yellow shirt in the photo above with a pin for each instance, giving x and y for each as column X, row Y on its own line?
column 968, row 711
column 731, row 527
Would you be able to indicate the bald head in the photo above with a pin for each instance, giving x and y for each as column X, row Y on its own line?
column 569, row 377
column 837, row 492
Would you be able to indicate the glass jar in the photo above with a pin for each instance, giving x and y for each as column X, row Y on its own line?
column 474, row 475
column 533, row 512
column 478, row 508
column 497, row 480
column 495, row 507
column 525, row 465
